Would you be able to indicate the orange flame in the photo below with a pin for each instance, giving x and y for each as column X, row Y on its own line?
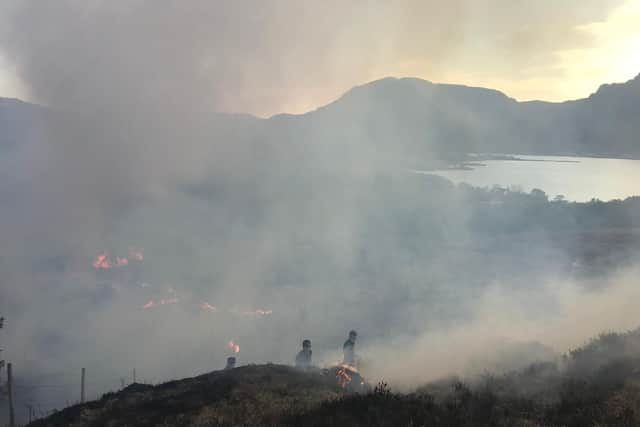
column 343, row 377
column 102, row 261
column 234, row 347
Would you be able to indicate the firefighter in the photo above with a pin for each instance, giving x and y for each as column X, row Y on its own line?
column 303, row 358
column 349, row 349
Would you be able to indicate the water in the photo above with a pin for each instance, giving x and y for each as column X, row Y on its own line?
column 575, row 178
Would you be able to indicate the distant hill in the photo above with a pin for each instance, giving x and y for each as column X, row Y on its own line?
column 19, row 122
column 409, row 118
column 417, row 117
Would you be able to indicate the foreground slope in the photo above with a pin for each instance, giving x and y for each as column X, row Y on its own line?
column 249, row 395
column 595, row 385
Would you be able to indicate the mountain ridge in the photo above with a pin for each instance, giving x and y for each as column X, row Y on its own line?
column 603, row 86
column 382, row 80
column 413, row 118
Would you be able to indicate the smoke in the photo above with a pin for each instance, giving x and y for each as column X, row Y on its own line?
column 246, row 214
column 511, row 329
column 269, row 57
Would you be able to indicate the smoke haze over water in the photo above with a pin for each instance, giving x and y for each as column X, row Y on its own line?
column 232, row 211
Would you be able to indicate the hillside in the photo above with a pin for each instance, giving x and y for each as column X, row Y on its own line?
column 18, row 123
column 398, row 119
column 413, row 117
column 597, row 384
column 249, row 395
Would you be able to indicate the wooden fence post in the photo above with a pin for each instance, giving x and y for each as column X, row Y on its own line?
column 30, row 409
column 82, row 386
column 12, row 419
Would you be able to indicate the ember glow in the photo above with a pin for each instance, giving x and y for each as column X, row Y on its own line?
column 168, row 301
column 263, row 312
column 234, row 347
column 171, row 298
column 104, row 261
column 252, row 313
column 343, row 377
column 208, row 307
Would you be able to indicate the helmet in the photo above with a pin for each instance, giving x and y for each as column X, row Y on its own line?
column 306, row 343
column 353, row 333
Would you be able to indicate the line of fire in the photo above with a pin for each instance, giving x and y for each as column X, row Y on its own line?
column 125, row 268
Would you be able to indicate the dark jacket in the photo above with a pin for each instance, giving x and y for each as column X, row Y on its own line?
column 303, row 359
column 349, row 352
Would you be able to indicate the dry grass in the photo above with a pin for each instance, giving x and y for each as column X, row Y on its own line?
column 596, row 385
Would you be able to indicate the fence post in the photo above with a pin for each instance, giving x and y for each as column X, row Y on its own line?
column 30, row 409
column 82, row 386
column 12, row 419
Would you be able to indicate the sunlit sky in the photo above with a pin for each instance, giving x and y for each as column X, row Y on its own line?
column 294, row 58
column 613, row 55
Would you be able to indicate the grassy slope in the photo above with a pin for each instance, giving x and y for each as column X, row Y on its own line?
column 249, row 395
column 595, row 385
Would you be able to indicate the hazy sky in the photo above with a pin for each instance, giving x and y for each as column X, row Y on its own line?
column 285, row 55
